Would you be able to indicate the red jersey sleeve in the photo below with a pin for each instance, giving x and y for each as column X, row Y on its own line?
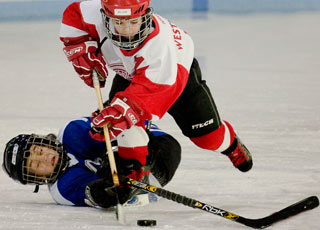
column 74, row 27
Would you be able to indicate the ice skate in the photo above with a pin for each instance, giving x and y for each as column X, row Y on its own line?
column 239, row 155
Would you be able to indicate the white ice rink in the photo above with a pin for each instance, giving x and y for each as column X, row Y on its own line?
column 264, row 73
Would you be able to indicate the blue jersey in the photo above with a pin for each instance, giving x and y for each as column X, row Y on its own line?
column 85, row 156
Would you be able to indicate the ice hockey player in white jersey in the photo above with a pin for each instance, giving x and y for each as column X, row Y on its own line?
column 75, row 166
column 156, row 73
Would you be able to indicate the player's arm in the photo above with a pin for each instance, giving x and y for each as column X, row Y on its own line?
column 81, row 44
column 156, row 86
column 88, row 183
column 157, row 83
column 69, row 188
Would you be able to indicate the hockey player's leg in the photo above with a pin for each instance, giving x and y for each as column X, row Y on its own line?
column 203, row 125
column 130, row 153
column 164, row 157
column 133, row 144
column 239, row 155
column 224, row 140
column 164, row 150
column 163, row 160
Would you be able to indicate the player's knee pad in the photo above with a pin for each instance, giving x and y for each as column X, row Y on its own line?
column 218, row 140
column 164, row 157
column 133, row 144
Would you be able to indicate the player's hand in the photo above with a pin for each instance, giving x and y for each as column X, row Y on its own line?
column 130, row 168
column 84, row 61
column 96, row 133
column 102, row 193
column 118, row 116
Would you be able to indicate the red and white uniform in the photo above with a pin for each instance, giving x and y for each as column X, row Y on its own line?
column 158, row 68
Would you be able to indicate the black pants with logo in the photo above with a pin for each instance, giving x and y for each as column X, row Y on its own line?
column 194, row 111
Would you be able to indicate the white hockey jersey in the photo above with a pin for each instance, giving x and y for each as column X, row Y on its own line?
column 158, row 69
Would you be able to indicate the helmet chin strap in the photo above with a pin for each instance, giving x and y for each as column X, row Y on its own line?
column 100, row 45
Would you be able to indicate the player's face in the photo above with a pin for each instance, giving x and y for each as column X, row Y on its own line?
column 41, row 161
column 127, row 27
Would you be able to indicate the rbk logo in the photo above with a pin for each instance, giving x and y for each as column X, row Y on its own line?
column 213, row 210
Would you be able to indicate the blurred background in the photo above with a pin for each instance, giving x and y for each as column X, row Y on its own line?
column 21, row 10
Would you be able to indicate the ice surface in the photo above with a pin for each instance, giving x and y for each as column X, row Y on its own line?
column 264, row 73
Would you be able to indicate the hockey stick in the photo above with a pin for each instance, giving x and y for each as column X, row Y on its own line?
column 112, row 162
column 260, row 223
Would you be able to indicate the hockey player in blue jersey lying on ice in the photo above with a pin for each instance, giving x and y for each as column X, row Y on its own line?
column 75, row 166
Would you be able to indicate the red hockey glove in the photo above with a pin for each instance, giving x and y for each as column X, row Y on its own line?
column 84, row 60
column 118, row 116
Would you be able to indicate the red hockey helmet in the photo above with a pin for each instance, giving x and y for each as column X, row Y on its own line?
column 125, row 8
column 138, row 17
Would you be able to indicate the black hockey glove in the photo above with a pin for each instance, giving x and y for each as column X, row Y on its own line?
column 102, row 193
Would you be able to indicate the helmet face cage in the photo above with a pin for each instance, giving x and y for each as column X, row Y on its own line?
column 128, row 42
column 49, row 142
column 18, row 151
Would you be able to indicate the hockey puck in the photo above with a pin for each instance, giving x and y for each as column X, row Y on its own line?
column 147, row 222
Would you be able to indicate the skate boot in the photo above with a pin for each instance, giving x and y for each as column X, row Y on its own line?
column 239, row 155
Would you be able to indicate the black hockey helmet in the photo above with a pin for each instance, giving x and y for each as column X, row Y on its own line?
column 16, row 153
column 13, row 157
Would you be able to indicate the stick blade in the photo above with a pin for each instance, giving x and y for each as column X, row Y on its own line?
column 292, row 210
column 312, row 202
